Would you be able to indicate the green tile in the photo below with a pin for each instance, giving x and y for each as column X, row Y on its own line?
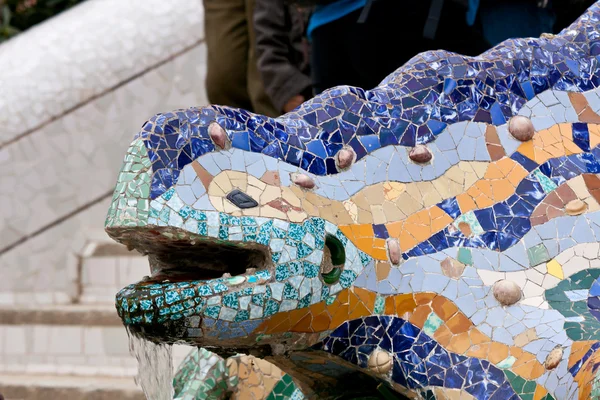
column 379, row 305
column 529, row 387
column 538, row 254
column 432, row 323
column 507, row 362
column 464, row 256
column 515, row 381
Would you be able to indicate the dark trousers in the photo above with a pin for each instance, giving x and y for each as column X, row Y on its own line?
column 345, row 52
column 232, row 77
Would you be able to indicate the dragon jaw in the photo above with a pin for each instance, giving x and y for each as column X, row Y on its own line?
column 217, row 278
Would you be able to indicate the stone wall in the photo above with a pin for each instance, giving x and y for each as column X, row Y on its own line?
column 75, row 89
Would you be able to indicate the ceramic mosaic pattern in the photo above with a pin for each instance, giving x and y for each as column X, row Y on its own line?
column 473, row 273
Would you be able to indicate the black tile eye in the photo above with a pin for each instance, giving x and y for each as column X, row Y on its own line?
column 241, row 199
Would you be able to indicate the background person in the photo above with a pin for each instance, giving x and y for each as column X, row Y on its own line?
column 232, row 77
column 283, row 53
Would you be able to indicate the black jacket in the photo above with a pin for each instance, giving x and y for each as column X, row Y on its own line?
column 282, row 50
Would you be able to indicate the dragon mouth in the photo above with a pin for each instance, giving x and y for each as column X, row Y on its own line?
column 176, row 255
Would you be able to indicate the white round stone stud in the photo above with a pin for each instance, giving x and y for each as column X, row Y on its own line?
column 507, row 292
column 420, row 154
column 345, row 157
column 554, row 358
column 521, row 128
column 380, row 362
column 303, row 180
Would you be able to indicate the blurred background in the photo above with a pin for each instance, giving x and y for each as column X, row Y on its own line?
column 78, row 79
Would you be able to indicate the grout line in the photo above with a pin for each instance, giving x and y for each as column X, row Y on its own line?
column 56, row 222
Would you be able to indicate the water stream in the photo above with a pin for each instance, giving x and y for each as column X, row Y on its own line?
column 155, row 367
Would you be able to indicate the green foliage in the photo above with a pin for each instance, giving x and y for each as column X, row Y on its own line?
column 19, row 15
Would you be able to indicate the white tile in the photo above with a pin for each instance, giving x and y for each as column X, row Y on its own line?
column 14, row 340
column 99, row 271
column 66, row 340
column 115, row 340
column 92, row 341
column 7, row 298
column 41, row 339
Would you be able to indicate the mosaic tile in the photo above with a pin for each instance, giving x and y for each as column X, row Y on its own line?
column 316, row 230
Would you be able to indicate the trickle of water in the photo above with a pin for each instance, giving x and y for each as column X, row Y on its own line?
column 155, row 367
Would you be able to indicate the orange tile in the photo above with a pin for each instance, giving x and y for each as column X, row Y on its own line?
column 353, row 301
column 423, row 298
column 340, row 316
column 537, row 370
column 498, row 352
column 478, row 337
column 407, row 241
column 443, row 335
column 366, row 296
column 394, row 228
column 379, row 254
column 379, row 243
column 479, row 351
column 540, row 392
column 502, row 190
column 439, row 219
column 404, row 303
column 365, row 230
column 465, row 202
column 390, row 307
column 317, row 308
column 528, row 367
column 416, row 227
column 343, row 297
column 359, row 311
column 273, row 324
column 459, row 323
column 516, row 175
column 332, row 308
column 578, row 350
column 443, row 307
column 527, row 149
column 420, row 315
column 295, row 316
column 516, row 352
column 304, row 325
column 321, row 322
column 459, row 343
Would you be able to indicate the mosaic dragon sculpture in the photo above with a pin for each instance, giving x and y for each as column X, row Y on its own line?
column 436, row 234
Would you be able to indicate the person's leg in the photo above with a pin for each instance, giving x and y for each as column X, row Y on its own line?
column 227, row 44
column 261, row 103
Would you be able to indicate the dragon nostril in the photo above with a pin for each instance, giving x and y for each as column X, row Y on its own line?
column 334, row 258
column 241, row 199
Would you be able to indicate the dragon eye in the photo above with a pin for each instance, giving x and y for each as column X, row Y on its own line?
column 334, row 258
column 241, row 199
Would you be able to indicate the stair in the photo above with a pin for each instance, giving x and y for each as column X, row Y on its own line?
column 44, row 387
column 75, row 351
column 84, row 340
column 106, row 268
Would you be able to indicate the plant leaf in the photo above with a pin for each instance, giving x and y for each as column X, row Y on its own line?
column 6, row 15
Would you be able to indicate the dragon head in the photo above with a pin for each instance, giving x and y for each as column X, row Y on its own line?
column 230, row 209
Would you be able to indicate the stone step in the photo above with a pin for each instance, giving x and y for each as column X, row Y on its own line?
column 107, row 267
column 43, row 387
column 61, row 314
column 81, row 340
